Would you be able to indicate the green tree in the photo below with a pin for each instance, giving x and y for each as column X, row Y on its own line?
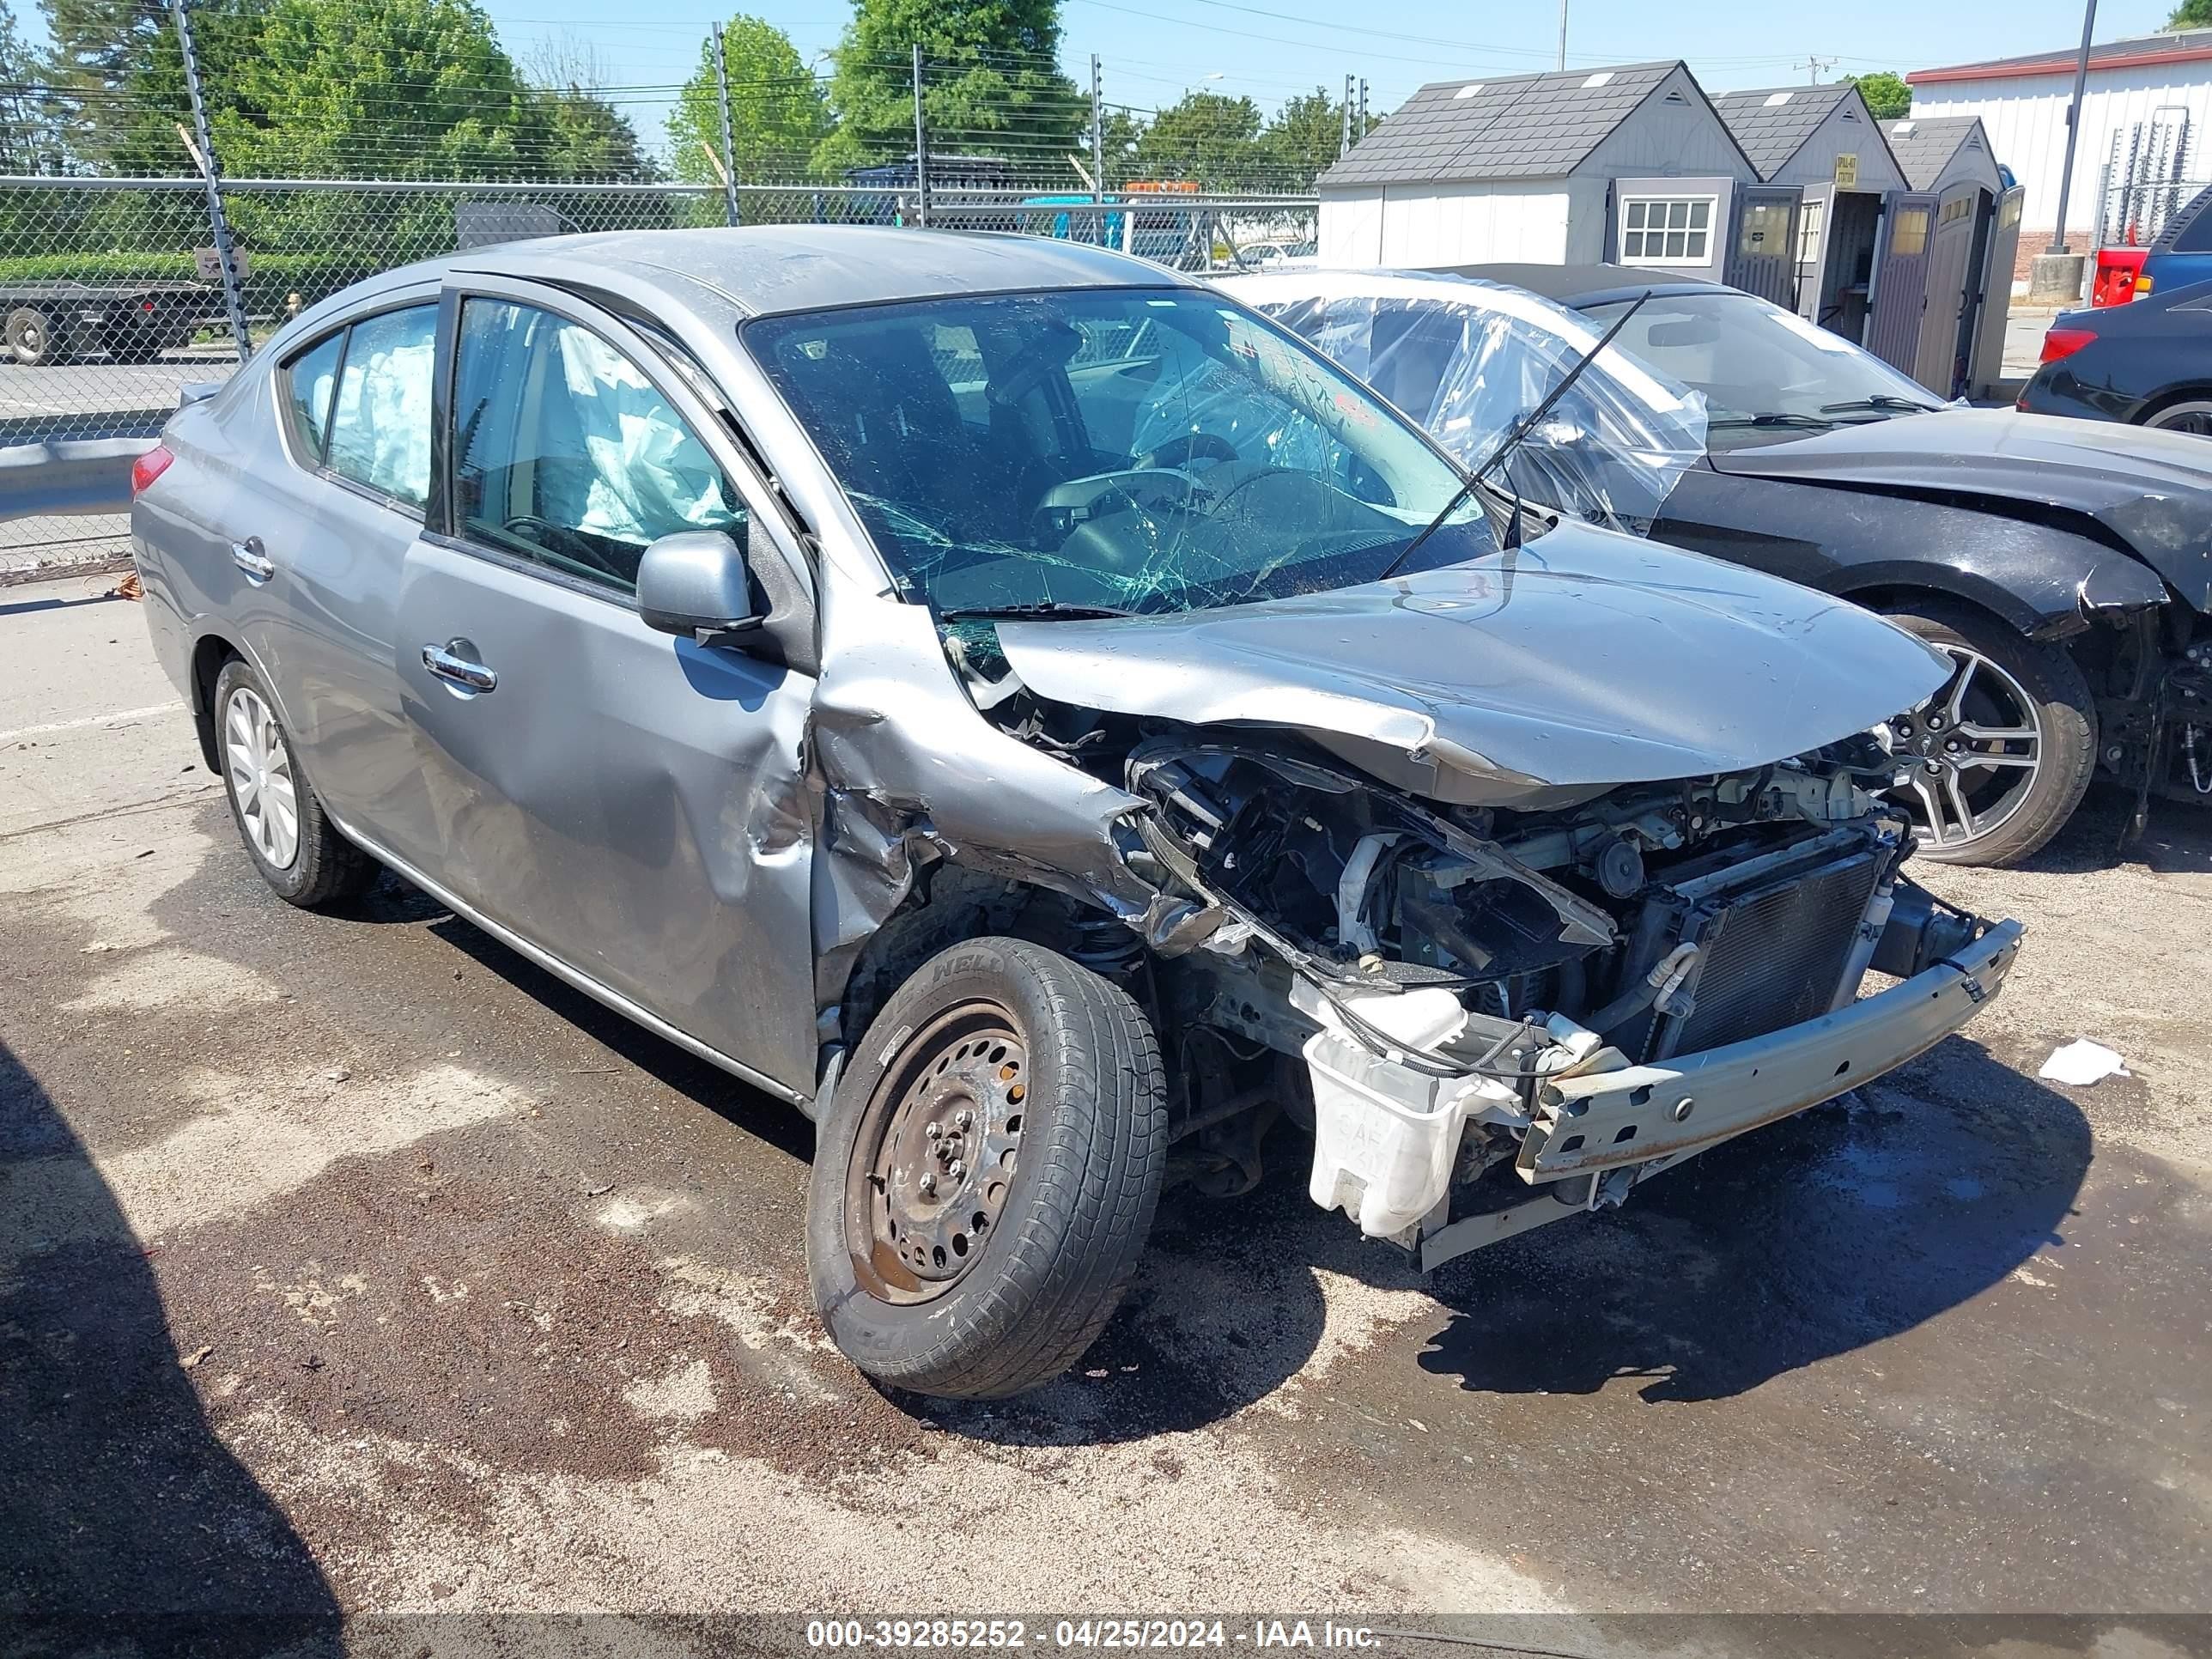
column 992, row 85
column 379, row 89
column 2192, row 15
column 1890, row 98
column 27, row 143
column 98, row 46
column 1304, row 137
column 583, row 136
column 777, row 115
column 1207, row 138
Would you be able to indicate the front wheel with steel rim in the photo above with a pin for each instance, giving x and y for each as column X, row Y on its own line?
column 296, row 848
column 1992, row 765
column 987, row 1173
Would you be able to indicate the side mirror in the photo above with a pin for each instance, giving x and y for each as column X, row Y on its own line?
column 696, row 583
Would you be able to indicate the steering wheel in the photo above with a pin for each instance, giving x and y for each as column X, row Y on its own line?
column 1179, row 452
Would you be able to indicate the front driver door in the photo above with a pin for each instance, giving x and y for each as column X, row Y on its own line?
column 626, row 801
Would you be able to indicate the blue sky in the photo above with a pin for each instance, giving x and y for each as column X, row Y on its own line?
column 1154, row 49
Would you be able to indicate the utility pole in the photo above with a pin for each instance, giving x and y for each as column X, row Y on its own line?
column 1344, row 144
column 1360, row 128
column 920, row 148
column 729, row 167
column 2074, row 128
column 1562, row 36
column 1097, row 147
column 1814, row 65
column 226, row 252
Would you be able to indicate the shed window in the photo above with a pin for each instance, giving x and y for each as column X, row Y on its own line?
column 1910, row 235
column 1667, row 230
column 1764, row 230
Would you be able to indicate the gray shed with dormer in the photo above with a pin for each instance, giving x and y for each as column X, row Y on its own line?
column 1826, row 142
column 1630, row 163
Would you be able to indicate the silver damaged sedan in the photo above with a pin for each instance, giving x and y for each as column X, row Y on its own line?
column 1052, row 728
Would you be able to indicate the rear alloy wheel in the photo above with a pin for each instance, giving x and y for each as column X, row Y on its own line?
column 30, row 336
column 987, row 1175
column 2192, row 415
column 1996, row 760
column 297, row 849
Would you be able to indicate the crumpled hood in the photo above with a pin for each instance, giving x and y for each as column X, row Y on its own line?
column 1585, row 658
column 2153, row 489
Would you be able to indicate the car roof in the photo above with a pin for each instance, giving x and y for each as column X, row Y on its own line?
column 1577, row 285
column 766, row 269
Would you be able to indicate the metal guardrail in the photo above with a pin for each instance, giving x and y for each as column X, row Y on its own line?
column 69, row 477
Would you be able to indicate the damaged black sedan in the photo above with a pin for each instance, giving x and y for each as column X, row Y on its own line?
column 1058, row 730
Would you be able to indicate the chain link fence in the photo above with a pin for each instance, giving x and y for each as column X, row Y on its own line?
column 132, row 266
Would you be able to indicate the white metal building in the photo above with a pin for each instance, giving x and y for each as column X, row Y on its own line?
column 1555, row 169
column 2156, row 89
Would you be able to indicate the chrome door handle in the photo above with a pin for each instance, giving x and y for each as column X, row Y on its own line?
column 448, row 665
column 248, row 556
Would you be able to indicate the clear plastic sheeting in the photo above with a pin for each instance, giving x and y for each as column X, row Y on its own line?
column 1468, row 359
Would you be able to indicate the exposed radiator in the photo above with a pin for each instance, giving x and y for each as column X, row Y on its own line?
column 1773, row 945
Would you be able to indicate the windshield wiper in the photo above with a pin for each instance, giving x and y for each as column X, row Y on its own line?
column 1522, row 428
column 1030, row 611
column 1888, row 403
column 1800, row 423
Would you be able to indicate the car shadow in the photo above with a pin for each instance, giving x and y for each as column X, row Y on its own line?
column 393, row 900
column 1820, row 1235
column 2177, row 841
column 1810, row 1238
column 126, row 1525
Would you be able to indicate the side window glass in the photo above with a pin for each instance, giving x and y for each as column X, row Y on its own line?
column 309, row 379
column 380, row 424
column 565, row 453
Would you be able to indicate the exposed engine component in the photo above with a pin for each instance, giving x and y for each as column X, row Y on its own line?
column 1442, row 991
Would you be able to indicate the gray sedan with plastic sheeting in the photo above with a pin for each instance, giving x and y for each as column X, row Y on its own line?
column 1053, row 728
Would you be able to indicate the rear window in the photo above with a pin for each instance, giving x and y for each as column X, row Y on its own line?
column 2188, row 231
column 309, row 379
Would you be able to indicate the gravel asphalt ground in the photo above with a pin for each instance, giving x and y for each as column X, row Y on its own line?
column 351, row 1266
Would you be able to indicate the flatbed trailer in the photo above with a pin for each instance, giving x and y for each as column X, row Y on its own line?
column 58, row 322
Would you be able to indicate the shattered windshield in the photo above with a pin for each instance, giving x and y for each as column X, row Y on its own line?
column 1124, row 450
column 1768, row 375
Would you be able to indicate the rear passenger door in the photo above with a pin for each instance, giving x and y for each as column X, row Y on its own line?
column 322, row 545
column 625, row 801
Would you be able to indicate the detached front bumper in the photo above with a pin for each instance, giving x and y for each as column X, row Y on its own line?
column 1388, row 1139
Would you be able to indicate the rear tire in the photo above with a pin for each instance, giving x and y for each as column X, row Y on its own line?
column 2190, row 414
column 32, row 337
column 2018, row 684
column 985, row 1179
column 298, row 850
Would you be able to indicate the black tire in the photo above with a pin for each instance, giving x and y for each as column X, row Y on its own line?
column 1072, row 1215
column 32, row 337
column 2064, row 710
column 324, row 867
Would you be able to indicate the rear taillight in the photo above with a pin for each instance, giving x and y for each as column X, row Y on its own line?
column 2064, row 342
column 147, row 467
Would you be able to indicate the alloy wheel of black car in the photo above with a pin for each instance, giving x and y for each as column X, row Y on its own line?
column 1997, row 760
column 2192, row 415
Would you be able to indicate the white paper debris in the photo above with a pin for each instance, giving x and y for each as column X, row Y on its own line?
column 2083, row 1062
